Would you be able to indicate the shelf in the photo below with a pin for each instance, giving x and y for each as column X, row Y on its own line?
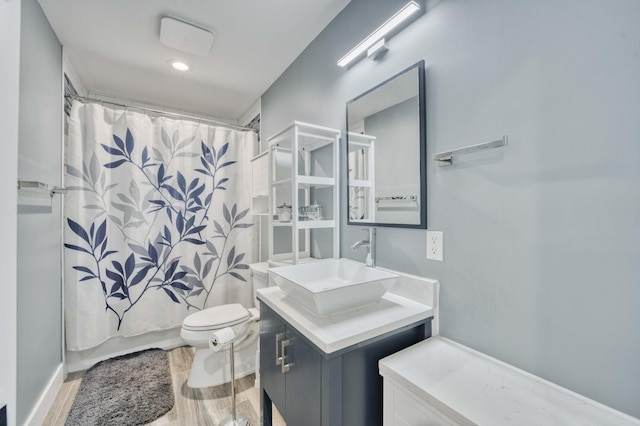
column 315, row 224
column 282, row 182
column 355, row 146
column 361, row 136
column 360, row 184
column 310, row 136
column 277, row 223
column 317, row 130
column 307, row 181
column 316, row 181
column 306, row 224
column 281, row 148
column 257, row 157
column 361, row 221
column 309, row 142
column 305, row 143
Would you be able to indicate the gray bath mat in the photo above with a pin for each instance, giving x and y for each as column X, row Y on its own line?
column 132, row 389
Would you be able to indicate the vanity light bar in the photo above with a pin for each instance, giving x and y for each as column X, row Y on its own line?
column 392, row 23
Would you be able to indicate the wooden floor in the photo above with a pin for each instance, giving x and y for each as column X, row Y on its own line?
column 201, row 407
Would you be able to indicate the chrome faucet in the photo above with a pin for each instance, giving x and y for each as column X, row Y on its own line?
column 371, row 247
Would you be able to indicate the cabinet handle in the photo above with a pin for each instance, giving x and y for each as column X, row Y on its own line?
column 284, row 344
column 279, row 337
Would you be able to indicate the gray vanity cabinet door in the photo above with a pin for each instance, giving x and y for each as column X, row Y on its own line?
column 303, row 382
column 296, row 392
column 272, row 380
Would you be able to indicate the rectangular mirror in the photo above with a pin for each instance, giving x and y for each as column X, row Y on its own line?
column 386, row 148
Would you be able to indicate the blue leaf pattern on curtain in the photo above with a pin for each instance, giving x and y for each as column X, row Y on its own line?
column 157, row 216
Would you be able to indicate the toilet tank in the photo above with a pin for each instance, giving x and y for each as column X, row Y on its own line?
column 260, row 278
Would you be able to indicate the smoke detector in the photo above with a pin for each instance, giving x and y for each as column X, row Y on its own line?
column 185, row 37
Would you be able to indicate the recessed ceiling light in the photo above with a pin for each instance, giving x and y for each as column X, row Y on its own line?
column 180, row 66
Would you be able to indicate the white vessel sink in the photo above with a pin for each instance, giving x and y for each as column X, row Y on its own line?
column 330, row 286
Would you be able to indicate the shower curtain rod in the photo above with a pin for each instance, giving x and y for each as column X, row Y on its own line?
column 158, row 111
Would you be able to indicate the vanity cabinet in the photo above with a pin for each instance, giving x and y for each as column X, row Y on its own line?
column 289, row 371
column 310, row 387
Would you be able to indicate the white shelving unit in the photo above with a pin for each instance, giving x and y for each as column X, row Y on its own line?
column 362, row 184
column 259, row 184
column 298, row 163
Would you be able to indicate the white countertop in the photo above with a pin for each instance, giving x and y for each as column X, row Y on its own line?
column 473, row 388
column 339, row 331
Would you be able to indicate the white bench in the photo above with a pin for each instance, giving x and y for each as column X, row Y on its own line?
column 440, row 382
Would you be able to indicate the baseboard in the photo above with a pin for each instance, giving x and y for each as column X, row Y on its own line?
column 48, row 396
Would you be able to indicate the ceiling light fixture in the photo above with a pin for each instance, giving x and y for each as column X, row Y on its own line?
column 180, row 66
column 385, row 30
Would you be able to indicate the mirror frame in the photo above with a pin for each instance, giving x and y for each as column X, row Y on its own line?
column 420, row 66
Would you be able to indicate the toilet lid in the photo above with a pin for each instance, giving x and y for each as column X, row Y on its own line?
column 217, row 317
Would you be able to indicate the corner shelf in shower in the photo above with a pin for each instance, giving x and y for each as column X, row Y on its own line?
column 299, row 157
column 32, row 184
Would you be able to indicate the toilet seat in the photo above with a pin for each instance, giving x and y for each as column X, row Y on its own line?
column 216, row 317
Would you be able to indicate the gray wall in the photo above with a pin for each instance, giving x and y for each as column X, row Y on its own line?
column 39, row 216
column 541, row 240
column 9, row 96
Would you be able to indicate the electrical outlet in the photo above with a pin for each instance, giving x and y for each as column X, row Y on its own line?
column 434, row 245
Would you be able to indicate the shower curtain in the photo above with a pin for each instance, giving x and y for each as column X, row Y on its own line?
column 157, row 221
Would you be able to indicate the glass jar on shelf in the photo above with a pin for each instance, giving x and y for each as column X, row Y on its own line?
column 284, row 213
column 312, row 212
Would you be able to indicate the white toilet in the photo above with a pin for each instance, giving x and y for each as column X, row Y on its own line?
column 211, row 368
